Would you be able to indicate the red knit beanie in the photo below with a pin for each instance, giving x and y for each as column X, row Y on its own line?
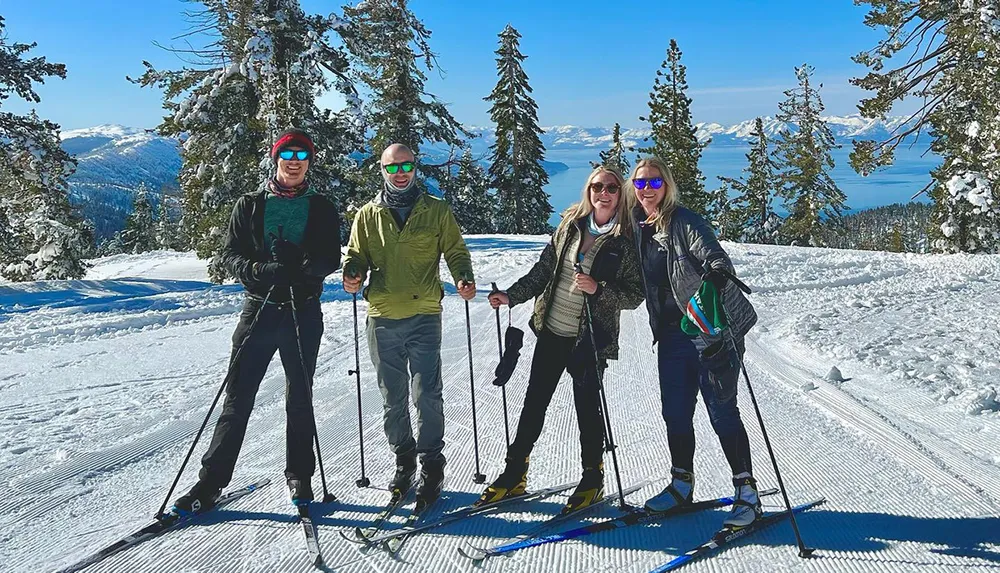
column 292, row 137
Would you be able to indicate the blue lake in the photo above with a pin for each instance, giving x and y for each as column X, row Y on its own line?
column 897, row 184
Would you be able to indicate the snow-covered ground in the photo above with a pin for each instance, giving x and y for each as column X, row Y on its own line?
column 104, row 381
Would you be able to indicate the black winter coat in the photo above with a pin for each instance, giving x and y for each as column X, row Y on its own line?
column 245, row 245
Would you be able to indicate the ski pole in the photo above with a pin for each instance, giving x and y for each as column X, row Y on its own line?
column 327, row 496
column 804, row 551
column 364, row 481
column 477, row 477
column 503, row 389
column 599, row 376
column 225, row 381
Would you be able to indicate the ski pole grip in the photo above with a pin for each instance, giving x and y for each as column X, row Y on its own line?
column 495, row 289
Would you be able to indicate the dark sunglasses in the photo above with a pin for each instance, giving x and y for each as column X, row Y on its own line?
column 288, row 154
column 394, row 168
column 654, row 183
column 611, row 188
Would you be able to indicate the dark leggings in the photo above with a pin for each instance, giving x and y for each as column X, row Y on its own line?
column 554, row 354
column 681, row 377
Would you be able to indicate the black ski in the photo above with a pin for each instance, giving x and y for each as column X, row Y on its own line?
column 311, row 537
column 728, row 535
column 460, row 514
column 167, row 522
column 412, row 521
column 360, row 535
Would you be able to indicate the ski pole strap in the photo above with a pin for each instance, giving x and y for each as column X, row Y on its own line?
column 740, row 284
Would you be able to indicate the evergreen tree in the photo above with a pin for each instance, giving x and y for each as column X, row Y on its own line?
column 167, row 231
column 952, row 66
column 723, row 213
column 389, row 44
column 754, row 214
column 616, row 157
column 516, row 171
column 470, row 200
column 673, row 132
column 804, row 161
column 139, row 234
column 41, row 234
column 262, row 74
column 898, row 227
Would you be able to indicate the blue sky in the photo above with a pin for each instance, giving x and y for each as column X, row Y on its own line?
column 590, row 63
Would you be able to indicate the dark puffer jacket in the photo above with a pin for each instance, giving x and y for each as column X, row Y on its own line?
column 688, row 249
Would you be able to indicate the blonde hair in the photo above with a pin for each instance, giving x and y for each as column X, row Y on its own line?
column 665, row 209
column 585, row 207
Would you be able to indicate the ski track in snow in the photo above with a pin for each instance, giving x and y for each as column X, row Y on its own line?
column 105, row 381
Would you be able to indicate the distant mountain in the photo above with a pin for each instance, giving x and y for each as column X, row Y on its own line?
column 113, row 160
column 845, row 128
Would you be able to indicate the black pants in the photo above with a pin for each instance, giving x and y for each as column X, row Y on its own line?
column 275, row 331
column 554, row 354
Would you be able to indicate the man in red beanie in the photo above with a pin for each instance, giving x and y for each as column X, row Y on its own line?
column 284, row 239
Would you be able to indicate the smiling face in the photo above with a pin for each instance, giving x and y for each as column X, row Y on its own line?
column 604, row 202
column 397, row 154
column 649, row 198
column 292, row 172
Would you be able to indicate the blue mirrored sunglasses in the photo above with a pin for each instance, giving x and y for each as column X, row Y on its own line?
column 654, row 183
column 288, row 154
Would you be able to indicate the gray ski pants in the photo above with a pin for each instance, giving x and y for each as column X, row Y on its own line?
column 406, row 353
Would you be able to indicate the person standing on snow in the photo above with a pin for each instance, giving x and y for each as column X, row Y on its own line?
column 282, row 239
column 595, row 234
column 400, row 237
column 680, row 255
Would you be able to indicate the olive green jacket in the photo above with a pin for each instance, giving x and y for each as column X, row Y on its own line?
column 404, row 264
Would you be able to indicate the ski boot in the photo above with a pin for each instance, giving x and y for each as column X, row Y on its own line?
column 746, row 505
column 589, row 491
column 512, row 482
column 680, row 491
column 431, row 480
column 402, row 481
column 200, row 498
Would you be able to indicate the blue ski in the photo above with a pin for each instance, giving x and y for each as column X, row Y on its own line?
column 727, row 535
column 638, row 517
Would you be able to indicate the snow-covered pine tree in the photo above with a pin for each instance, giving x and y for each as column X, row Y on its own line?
column 263, row 74
column 616, row 156
column 389, row 44
column 43, row 235
column 755, row 191
column 949, row 60
column 516, row 172
column 139, row 234
column 470, row 200
column 723, row 213
column 802, row 157
column 673, row 135
column 167, row 230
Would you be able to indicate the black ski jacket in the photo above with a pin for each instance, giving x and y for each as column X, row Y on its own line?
column 245, row 245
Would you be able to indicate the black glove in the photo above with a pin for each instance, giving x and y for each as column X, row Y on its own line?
column 717, row 278
column 276, row 274
column 512, row 351
column 723, row 364
column 286, row 253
